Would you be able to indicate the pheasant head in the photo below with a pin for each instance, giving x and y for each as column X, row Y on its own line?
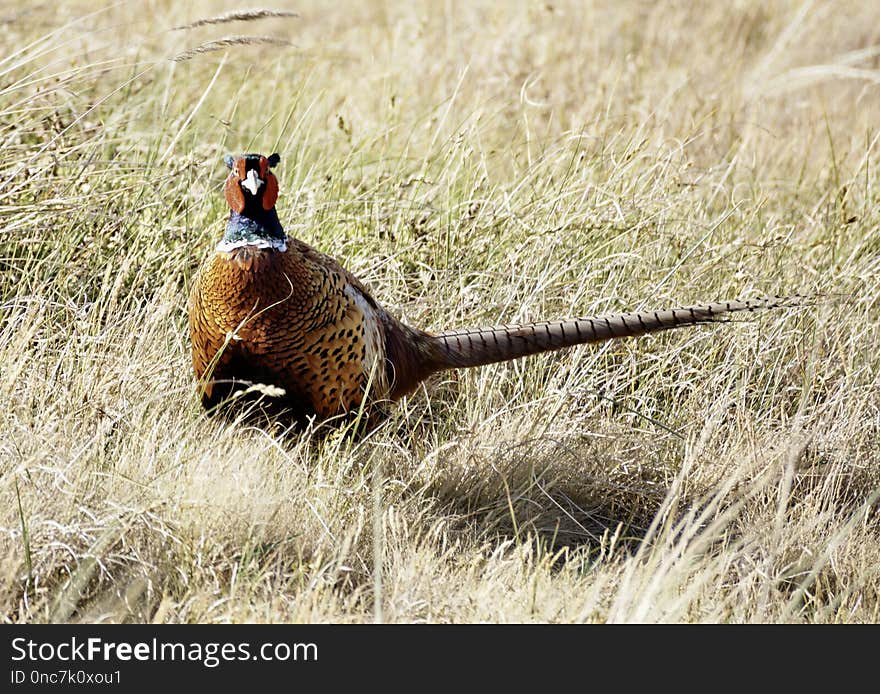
column 251, row 184
column 251, row 190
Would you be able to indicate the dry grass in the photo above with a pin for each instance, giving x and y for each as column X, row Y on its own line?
column 475, row 163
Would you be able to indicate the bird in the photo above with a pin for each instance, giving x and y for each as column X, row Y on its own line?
column 272, row 316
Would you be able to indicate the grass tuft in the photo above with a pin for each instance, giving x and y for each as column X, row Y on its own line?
column 227, row 42
column 236, row 16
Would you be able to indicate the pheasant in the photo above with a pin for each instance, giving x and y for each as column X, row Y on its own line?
column 266, row 309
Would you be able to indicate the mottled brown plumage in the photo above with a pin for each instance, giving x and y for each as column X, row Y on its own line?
column 269, row 309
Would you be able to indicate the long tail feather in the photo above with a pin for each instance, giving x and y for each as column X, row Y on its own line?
column 465, row 348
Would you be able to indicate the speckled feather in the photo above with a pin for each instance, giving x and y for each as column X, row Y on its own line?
column 292, row 319
column 269, row 309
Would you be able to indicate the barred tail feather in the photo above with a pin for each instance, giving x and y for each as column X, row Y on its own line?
column 466, row 348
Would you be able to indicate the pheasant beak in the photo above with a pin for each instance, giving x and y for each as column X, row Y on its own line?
column 252, row 182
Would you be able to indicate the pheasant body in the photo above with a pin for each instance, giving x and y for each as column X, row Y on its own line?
column 292, row 319
column 269, row 309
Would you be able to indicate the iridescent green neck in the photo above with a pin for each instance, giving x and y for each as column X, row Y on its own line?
column 254, row 228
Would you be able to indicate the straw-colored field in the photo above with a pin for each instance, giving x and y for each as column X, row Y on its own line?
column 475, row 163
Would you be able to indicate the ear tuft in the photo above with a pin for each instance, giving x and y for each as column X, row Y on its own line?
column 229, row 160
column 274, row 159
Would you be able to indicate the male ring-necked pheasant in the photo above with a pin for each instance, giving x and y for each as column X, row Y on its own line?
column 268, row 309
